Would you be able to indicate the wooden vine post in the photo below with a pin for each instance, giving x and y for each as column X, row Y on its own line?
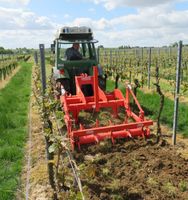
column 36, row 58
column 177, row 90
column 158, row 89
column 142, row 54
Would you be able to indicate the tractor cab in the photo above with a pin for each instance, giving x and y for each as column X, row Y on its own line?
column 66, row 68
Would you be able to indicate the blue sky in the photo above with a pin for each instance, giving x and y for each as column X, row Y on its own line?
column 76, row 9
column 26, row 23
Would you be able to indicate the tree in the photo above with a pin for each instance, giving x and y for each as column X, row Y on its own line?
column 175, row 44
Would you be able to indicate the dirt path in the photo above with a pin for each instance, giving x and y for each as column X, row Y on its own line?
column 8, row 78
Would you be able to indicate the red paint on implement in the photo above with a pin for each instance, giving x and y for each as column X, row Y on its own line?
column 75, row 103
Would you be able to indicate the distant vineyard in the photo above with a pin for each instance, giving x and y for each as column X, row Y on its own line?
column 139, row 63
column 8, row 64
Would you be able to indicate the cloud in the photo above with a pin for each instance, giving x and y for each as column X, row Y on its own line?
column 100, row 24
column 21, row 28
column 112, row 4
column 16, row 19
column 15, row 2
column 26, row 38
column 66, row 16
column 92, row 10
column 148, row 27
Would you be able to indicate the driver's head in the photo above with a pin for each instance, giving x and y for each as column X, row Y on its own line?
column 76, row 46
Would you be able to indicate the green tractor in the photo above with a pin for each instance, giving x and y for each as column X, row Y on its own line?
column 69, row 66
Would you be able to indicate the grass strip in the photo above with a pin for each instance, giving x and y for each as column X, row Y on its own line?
column 14, row 100
column 150, row 103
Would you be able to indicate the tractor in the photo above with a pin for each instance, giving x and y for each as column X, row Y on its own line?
column 81, row 86
column 65, row 69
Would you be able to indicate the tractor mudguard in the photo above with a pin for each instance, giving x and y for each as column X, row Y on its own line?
column 62, row 73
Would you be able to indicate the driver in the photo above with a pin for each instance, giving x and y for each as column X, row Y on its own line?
column 73, row 53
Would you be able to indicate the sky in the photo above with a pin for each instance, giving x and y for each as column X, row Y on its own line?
column 28, row 23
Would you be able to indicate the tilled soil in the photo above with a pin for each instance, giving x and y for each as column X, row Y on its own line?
column 133, row 170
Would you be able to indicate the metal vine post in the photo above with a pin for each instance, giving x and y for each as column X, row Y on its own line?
column 177, row 90
column 47, row 122
column 149, row 66
column 36, row 58
column 43, row 68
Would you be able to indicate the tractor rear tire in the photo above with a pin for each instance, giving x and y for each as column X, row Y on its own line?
column 63, row 82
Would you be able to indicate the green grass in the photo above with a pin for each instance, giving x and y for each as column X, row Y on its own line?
column 14, row 100
column 150, row 103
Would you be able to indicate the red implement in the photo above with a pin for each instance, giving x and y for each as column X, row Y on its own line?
column 73, row 104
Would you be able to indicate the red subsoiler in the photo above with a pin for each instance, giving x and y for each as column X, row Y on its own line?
column 73, row 104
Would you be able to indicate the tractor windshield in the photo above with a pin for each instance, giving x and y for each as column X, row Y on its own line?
column 86, row 49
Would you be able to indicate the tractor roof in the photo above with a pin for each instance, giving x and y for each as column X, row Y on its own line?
column 74, row 33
